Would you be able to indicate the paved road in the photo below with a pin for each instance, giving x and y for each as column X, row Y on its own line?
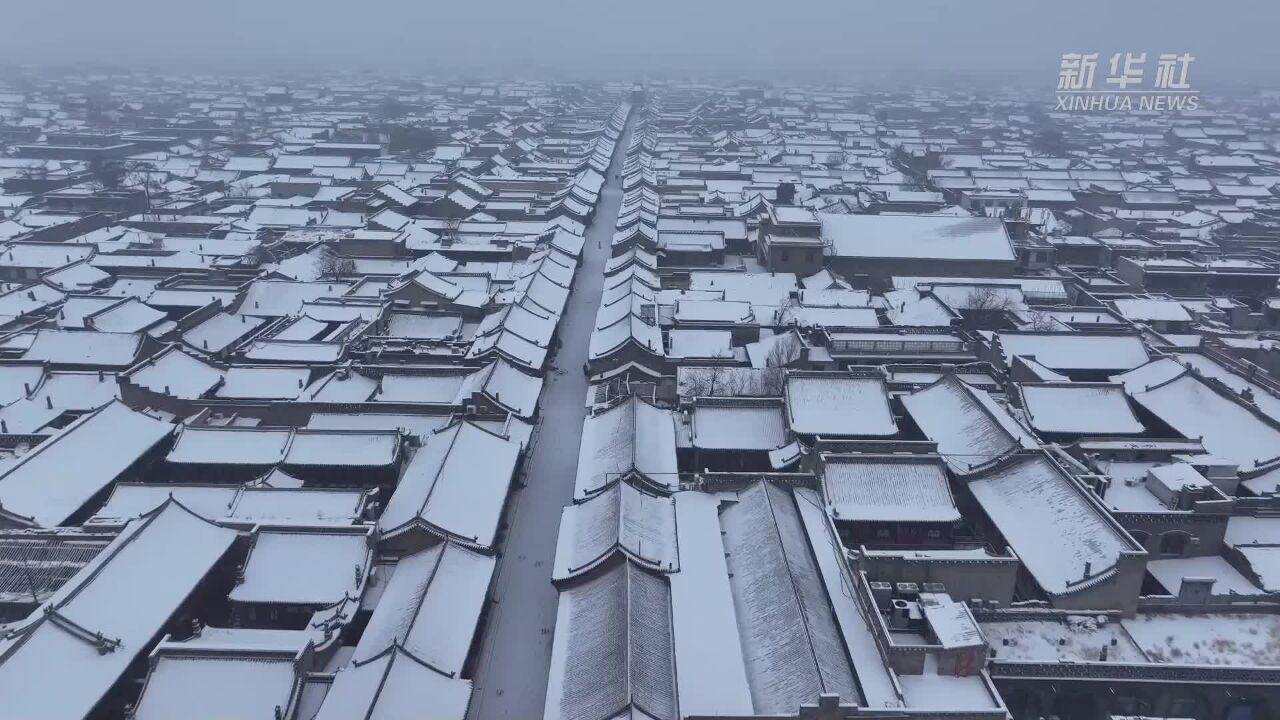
column 511, row 672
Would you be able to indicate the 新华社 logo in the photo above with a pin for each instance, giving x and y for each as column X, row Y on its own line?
column 1125, row 83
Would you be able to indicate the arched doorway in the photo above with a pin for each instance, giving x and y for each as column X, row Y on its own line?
column 1175, row 543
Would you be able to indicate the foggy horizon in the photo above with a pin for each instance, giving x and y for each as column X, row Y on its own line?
column 822, row 40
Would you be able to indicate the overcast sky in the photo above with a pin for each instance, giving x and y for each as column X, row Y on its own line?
column 830, row 39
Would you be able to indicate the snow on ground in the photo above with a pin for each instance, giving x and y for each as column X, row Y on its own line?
column 1171, row 572
column 1266, row 401
column 1222, row 639
column 513, row 684
column 931, row 691
column 1081, row 639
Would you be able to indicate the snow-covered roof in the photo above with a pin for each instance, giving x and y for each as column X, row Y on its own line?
column 1079, row 408
column 237, row 504
column 1062, row 538
column 630, row 437
column 306, row 567
column 342, row 386
column 773, row 288
column 97, row 624
column 950, row 621
column 311, row 352
column 271, row 445
column 838, row 405
column 1151, row 309
column 263, row 383
column 282, row 298
column 835, row 318
column 236, row 445
column 48, row 484
column 423, row 326
column 505, row 386
column 1150, row 375
column 176, row 374
column 612, row 649
column 1232, row 639
column 1224, row 425
column 909, row 308
column 631, row 328
column 436, row 389
column 520, row 332
column 391, row 685
column 221, row 331
column 700, row 344
column 343, row 449
column 887, row 489
column 712, row 311
column 455, row 486
column 640, row 525
column 1170, row 572
column 204, row 682
column 1266, row 399
column 431, row 607
column 970, row 428
column 791, row 642
column 84, row 347
column 1054, row 640
column 712, row 677
column 722, row 424
column 127, row 316
column 917, row 236
column 1067, row 352
column 58, row 392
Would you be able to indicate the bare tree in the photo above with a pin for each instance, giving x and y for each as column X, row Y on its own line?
column 987, row 297
column 239, row 189
column 326, row 264
column 331, row 264
column 31, row 178
column 1040, row 321
column 107, row 171
column 783, row 352
column 773, row 382
column 983, row 303
column 35, row 171
column 720, row 381
column 449, row 233
column 142, row 171
column 260, row 255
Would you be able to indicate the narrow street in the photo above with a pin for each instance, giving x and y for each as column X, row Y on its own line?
column 511, row 673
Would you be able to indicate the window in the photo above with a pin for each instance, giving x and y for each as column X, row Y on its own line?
column 1131, row 705
column 935, row 534
column 1175, row 543
column 1188, row 706
column 784, row 256
column 882, row 533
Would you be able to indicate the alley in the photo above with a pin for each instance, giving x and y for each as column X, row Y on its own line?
column 511, row 673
